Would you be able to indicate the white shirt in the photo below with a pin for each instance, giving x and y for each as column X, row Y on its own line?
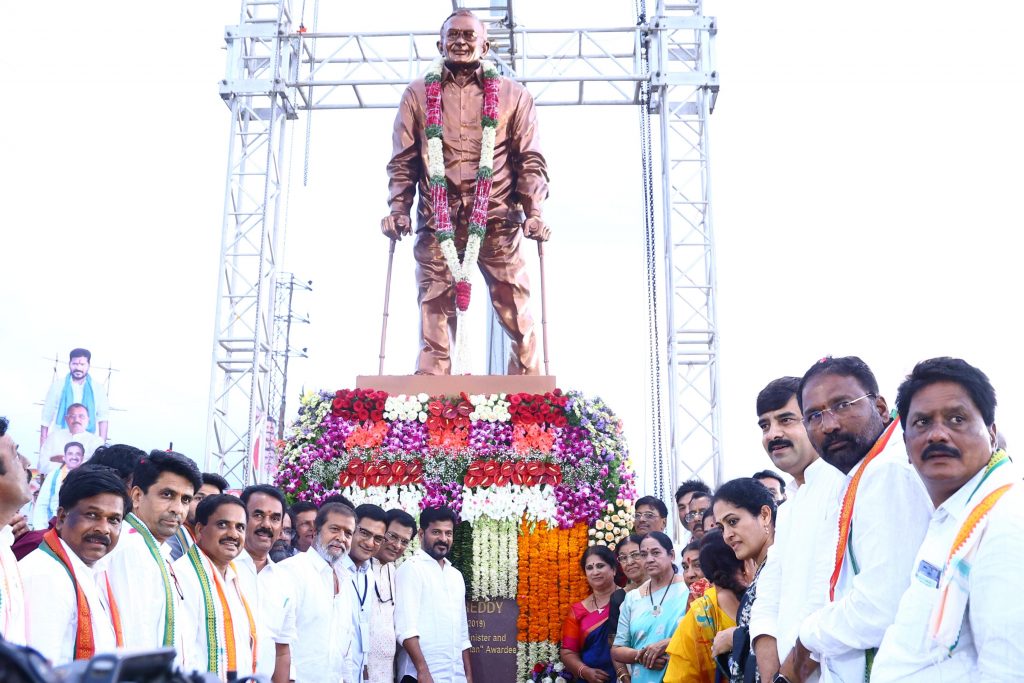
column 794, row 580
column 266, row 597
column 323, row 620
column 890, row 518
column 990, row 647
column 55, row 442
column 139, row 590
column 51, row 605
column 431, row 603
column 192, row 620
column 362, row 584
column 12, row 593
column 383, row 644
column 99, row 395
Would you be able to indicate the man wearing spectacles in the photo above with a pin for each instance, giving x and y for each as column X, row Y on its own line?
column 684, row 494
column 371, row 524
column 520, row 178
column 383, row 646
column 849, row 425
column 700, row 503
column 651, row 515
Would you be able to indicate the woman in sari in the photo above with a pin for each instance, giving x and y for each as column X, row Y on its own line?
column 628, row 554
column 585, row 649
column 746, row 511
column 689, row 651
column 650, row 613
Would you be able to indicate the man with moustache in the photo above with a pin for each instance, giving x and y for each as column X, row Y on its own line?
column 883, row 516
column 304, row 517
column 684, row 494
column 430, row 608
column 519, row 175
column 185, row 537
column 218, row 619
column 794, row 580
column 48, row 499
column 957, row 621
column 383, row 645
column 76, row 417
column 76, row 387
column 14, row 493
column 71, row 611
column 140, row 570
column 371, row 524
column 700, row 503
column 261, row 584
column 651, row 515
column 319, row 599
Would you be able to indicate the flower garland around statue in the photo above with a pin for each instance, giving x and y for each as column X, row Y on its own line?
column 461, row 271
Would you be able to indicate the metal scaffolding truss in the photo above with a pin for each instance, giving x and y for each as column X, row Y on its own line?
column 274, row 71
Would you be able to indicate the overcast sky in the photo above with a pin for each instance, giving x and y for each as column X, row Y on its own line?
column 866, row 166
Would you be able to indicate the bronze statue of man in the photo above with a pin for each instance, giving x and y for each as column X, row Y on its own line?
column 520, row 178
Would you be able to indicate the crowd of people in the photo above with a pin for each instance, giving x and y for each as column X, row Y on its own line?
column 884, row 557
column 874, row 560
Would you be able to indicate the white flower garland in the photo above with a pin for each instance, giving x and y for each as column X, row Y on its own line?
column 496, row 559
column 461, row 271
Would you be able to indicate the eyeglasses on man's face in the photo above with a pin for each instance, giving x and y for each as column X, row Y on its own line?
column 367, row 535
column 453, row 35
column 694, row 515
column 394, row 538
column 648, row 516
column 814, row 418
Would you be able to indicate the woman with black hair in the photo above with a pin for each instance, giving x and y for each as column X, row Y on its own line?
column 585, row 649
column 650, row 613
column 746, row 510
column 628, row 553
column 689, row 651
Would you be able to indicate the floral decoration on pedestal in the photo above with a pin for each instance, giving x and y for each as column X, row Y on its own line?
column 534, row 478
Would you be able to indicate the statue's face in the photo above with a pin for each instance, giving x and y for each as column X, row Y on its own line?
column 463, row 41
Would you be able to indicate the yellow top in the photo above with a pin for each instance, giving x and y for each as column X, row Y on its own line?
column 689, row 651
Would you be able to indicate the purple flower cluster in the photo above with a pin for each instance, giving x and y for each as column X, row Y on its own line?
column 489, row 438
column 581, row 503
column 442, row 495
column 542, row 670
column 406, row 437
column 573, row 444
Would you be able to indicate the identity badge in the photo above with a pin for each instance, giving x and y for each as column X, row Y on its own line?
column 928, row 574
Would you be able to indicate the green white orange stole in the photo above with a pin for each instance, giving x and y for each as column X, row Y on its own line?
column 846, row 525
column 221, row 654
column 954, row 587
column 85, row 639
column 154, row 551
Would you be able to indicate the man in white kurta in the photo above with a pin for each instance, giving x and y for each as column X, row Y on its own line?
column 849, row 424
column 49, row 495
column 319, row 599
column 261, row 580
column 72, row 554
column 220, row 533
column 140, row 570
column 959, row 619
column 52, row 605
column 794, row 580
column 430, row 607
column 75, row 422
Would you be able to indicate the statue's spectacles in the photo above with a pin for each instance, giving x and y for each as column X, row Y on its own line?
column 468, row 35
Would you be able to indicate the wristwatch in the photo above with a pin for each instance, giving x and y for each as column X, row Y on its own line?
column 779, row 678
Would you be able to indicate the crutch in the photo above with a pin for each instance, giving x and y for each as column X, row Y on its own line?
column 387, row 299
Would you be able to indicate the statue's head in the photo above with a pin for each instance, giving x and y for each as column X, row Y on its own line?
column 463, row 40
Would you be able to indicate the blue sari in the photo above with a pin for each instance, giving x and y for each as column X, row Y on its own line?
column 586, row 633
column 640, row 627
